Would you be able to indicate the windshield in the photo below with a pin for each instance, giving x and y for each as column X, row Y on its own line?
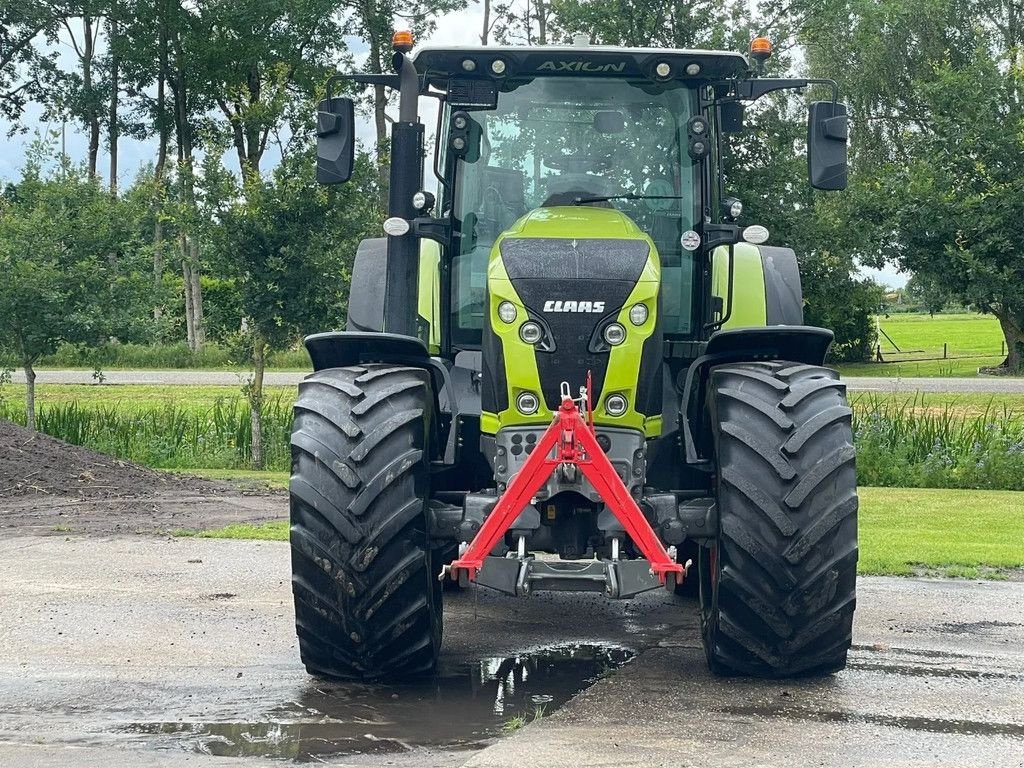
column 554, row 140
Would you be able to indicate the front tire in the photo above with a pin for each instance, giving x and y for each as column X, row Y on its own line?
column 778, row 585
column 367, row 598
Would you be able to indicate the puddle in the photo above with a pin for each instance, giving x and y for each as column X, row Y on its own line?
column 460, row 710
column 974, row 627
column 928, row 724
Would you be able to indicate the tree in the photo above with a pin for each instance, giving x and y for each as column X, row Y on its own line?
column 287, row 247
column 940, row 158
column 25, row 67
column 59, row 240
column 931, row 296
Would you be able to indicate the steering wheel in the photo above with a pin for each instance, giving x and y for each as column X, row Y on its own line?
column 578, row 163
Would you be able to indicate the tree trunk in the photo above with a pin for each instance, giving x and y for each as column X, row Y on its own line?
column 379, row 121
column 91, row 117
column 161, row 164
column 197, row 293
column 186, row 274
column 255, row 394
column 486, row 30
column 30, row 394
column 1013, row 332
column 113, row 129
column 189, row 244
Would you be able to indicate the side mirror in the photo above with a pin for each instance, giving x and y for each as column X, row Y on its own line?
column 730, row 116
column 827, row 140
column 335, row 140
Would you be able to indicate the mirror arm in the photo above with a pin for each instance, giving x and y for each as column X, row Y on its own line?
column 390, row 81
column 752, row 90
column 436, row 229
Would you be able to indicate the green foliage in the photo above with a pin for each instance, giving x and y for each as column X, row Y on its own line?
column 287, row 248
column 68, row 255
column 928, row 294
column 940, row 136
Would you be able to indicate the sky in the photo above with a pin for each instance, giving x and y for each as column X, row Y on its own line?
column 457, row 28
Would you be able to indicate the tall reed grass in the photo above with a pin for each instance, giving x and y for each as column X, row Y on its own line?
column 909, row 443
column 159, row 356
column 169, row 436
column 899, row 443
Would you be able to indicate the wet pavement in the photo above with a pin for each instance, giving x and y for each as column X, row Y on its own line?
column 184, row 649
column 143, row 651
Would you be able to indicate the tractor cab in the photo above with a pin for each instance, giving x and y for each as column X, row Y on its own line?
column 569, row 366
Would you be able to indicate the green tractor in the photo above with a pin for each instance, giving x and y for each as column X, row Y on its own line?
column 573, row 369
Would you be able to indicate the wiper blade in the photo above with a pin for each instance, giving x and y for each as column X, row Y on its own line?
column 624, row 196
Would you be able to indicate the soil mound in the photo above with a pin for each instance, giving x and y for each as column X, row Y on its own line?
column 34, row 463
column 51, row 487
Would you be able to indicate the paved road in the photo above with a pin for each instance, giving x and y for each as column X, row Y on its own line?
column 992, row 384
column 164, row 652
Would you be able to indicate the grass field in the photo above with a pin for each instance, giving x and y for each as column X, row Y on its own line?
column 140, row 397
column 921, row 336
column 903, row 531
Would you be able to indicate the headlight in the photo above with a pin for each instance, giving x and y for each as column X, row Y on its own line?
column 615, row 405
column 527, row 403
column 638, row 314
column 423, row 201
column 507, row 312
column 530, row 332
column 614, row 334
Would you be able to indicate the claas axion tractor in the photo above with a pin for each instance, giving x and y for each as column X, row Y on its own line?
column 572, row 368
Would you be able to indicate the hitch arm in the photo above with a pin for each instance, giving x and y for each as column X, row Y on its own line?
column 574, row 443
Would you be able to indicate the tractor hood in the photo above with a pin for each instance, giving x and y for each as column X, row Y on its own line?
column 574, row 271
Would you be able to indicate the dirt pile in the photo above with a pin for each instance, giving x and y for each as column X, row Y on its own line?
column 34, row 463
column 49, row 486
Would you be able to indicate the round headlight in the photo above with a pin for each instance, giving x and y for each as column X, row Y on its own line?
column 507, row 312
column 527, row 403
column 735, row 209
column 460, row 122
column 498, row 67
column 663, row 69
column 615, row 405
column 693, row 69
column 614, row 334
column 530, row 332
column 423, row 201
column 468, row 65
column 638, row 314
column 698, row 126
column 459, row 143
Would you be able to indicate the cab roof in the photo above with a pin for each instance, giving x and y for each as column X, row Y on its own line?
column 437, row 64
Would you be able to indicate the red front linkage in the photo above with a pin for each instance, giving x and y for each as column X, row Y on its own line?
column 574, row 443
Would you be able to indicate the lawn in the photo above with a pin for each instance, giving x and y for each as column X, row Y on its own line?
column 910, row 531
column 141, row 397
column 903, row 531
column 920, row 336
column 137, row 397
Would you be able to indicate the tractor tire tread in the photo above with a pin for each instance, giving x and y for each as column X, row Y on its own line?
column 785, row 586
column 367, row 601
